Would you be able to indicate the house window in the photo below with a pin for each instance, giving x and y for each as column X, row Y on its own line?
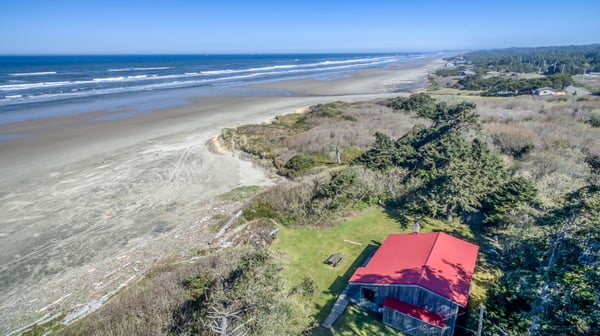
column 368, row 294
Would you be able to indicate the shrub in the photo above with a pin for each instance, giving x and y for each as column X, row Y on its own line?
column 512, row 139
column 420, row 103
column 593, row 160
column 330, row 110
column 259, row 209
column 594, row 119
column 447, row 72
column 298, row 164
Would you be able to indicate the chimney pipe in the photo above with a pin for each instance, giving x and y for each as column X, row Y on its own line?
column 416, row 226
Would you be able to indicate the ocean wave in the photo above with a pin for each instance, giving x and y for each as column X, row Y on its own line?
column 22, row 99
column 254, row 72
column 17, row 87
column 77, row 92
column 33, row 73
column 108, row 79
column 27, row 86
column 140, row 69
column 356, row 62
column 14, row 93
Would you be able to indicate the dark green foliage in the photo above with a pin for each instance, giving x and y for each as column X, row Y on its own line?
column 197, row 285
column 420, row 103
column 383, row 154
column 506, row 86
column 447, row 72
column 509, row 300
column 560, row 80
column 298, row 164
column 562, row 261
column 507, row 197
column 462, row 114
column 455, row 173
column 333, row 110
column 447, row 171
column 345, row 187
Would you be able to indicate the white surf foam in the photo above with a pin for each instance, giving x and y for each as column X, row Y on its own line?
column 34, row 73
column 140, row 69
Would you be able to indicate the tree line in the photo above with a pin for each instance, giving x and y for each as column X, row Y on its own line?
column 547, row 60
column 513, row 86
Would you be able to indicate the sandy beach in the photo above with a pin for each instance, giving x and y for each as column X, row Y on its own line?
column 88, row 204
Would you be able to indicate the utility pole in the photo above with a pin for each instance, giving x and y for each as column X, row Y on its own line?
column 480, row 325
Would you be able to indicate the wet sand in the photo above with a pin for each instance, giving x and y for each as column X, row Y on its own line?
column 86, row 204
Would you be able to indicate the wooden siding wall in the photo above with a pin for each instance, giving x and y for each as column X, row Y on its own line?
column 408, row 325
column 414, row 295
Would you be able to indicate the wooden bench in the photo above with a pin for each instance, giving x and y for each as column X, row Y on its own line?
column 335, row 259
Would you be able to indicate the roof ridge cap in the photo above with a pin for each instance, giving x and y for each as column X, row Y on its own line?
column 428, row 258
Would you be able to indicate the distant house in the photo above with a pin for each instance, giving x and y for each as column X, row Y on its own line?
column 418, row 281
column 450, row 65
column 545, row 91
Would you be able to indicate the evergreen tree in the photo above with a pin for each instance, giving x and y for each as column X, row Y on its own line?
column 447, row 171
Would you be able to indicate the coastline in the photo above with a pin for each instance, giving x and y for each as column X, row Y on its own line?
column 94, row 203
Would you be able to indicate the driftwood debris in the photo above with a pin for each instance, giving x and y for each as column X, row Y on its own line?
column 352, row 242
column 228, row 224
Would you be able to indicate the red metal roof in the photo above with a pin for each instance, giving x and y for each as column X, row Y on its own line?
column 436, row 261
column 417, row 312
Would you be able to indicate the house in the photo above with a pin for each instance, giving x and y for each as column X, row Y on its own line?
column 467, row 73
column 545, row 91
column 418, row 281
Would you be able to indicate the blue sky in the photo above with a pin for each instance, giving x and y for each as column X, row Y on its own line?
column 255, row 26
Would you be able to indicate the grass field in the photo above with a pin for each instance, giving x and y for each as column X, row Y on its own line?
column 304, row 251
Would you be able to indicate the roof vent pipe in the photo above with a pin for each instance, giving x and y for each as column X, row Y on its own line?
column 416, row 226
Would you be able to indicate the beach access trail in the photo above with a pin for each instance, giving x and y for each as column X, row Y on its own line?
column 87, row 205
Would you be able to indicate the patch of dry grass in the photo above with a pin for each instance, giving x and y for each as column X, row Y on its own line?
column 349, row 125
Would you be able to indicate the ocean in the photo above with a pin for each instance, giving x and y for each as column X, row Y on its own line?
column 30, row 86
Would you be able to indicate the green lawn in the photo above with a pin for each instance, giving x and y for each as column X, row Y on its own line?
column 355, row 321
column 304, row 250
